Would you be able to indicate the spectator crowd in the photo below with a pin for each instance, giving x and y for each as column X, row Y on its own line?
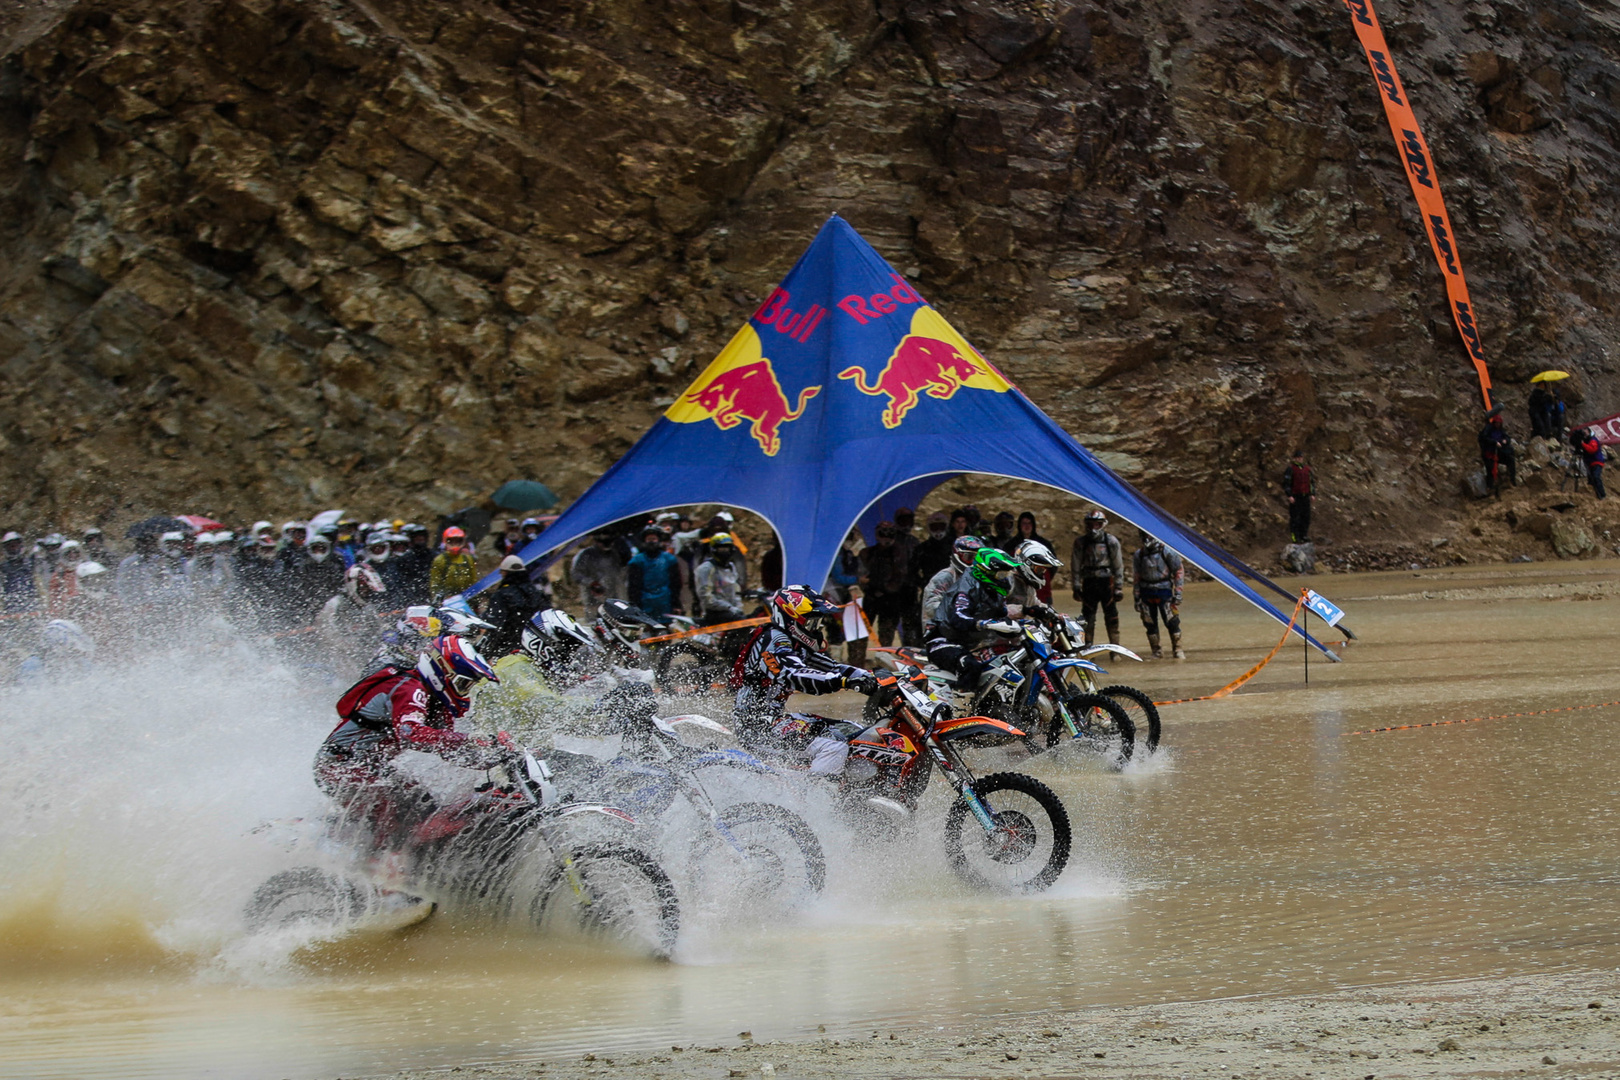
column 339, row 578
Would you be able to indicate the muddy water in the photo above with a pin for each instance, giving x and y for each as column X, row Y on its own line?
column 1263, row 851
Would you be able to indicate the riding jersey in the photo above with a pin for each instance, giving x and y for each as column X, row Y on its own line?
column 384, row 715
column 936, row 592
column 972, row 603
column 775, row 668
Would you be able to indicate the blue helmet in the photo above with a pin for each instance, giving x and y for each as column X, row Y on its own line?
column 451, row 667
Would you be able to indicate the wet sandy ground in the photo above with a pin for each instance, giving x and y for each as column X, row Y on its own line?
column 1553, row 1025
column 1224, row 896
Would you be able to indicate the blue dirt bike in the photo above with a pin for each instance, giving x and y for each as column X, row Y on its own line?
column 1033, row 686
column 759, row 850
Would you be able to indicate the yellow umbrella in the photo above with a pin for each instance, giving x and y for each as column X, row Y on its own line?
column 1550, row 376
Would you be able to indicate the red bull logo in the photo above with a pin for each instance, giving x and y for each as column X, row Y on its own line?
column 742, row 385
column 933, row 359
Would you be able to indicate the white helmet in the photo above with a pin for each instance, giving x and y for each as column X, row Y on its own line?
column 458, row 618
column 377, row 547
column 555, row 635
column 261, row 527
column 1035, row 558
column 172, row 544
column 318, row 548
column 361, row 583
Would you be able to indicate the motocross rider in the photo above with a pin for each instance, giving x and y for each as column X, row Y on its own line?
column 785, row 658
column 1035, row 561
column 943, row 584
column 394, row 710
column 973, row 615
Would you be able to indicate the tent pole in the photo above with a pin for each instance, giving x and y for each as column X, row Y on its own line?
column 1307, row 643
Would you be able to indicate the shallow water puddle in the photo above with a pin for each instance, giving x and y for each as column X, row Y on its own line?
column 1261, row 852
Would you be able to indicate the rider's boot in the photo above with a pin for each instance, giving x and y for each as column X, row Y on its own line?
column 1153, row 643
column 1175, row 647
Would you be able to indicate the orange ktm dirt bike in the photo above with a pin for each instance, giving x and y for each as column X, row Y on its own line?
column 1006, row 831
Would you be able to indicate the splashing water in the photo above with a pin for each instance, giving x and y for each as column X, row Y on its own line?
column 129, row 793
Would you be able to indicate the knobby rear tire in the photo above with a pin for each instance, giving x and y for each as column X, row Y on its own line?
column 307, row 896
column 960, row 819
column 695, row 673
column 1142, row 711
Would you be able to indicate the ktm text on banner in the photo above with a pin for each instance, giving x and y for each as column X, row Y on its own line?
column 1414, row 154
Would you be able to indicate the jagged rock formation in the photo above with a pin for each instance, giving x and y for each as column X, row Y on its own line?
column 275, row 253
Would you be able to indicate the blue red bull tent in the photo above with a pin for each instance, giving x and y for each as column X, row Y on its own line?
column 844, row 396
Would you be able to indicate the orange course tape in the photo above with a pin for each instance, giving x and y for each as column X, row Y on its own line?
column 1252, row 672
column 760, row 620
column 1476, row 719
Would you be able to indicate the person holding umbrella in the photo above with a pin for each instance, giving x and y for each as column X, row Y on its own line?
column 1546, row 405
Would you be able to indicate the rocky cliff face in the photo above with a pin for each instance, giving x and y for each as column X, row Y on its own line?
column 281, row 253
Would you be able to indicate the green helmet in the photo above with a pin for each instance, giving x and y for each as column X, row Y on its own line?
column 991, row 566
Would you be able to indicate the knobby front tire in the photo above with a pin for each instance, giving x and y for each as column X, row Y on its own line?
column 782, row 864
column 621, row 896
column 1030, row 846
column 305, row 897
column 1101, row 719
column 685, row 668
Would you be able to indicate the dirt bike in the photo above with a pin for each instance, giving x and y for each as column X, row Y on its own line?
column 1025, row 683
column 760, row 850
column 1006, row 831
column 510, row 849
column 695, row 664
column 1068, row 639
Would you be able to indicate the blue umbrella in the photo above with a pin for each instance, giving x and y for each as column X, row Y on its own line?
column 521, row 495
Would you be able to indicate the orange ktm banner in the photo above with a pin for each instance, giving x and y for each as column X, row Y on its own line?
column 1414, row 153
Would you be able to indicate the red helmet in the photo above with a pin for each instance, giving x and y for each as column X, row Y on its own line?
column 793, row 610
column 454, row 537
column 451, row 667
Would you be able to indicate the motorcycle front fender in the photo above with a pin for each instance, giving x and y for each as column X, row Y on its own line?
column 570, row 809
column 732, row 759
column 1117, row 650
column 1083, row 665
column 967, row 726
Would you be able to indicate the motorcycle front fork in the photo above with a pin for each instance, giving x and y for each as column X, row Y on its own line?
column 1076, row 728
column 962, row 781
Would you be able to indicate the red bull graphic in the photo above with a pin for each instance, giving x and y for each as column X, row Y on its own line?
column 933, row 359
column 741, row 385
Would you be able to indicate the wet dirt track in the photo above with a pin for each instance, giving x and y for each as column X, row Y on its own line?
column 1262, row 852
